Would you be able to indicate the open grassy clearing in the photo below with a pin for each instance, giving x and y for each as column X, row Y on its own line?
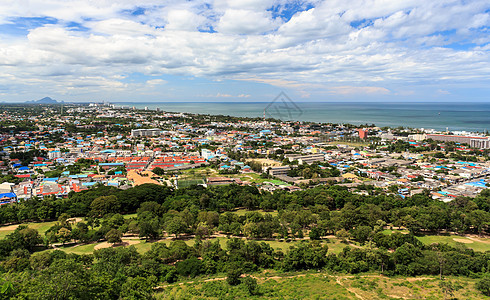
column 297, row 286
column 381, row 287
column 242, row 212
column 42, row 227
column 473, row 242
column 143, row 246
column 183, row 183
column 129, row 216
column 309, row 285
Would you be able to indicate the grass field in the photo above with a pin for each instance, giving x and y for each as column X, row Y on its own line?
column 475, row 243
column 309, row 285
column 188, row 182
column 42, row 227
column 242, row 212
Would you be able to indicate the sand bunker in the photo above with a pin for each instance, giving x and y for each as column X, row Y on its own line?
column 124, row 243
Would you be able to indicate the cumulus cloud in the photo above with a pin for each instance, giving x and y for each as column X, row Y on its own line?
column 337, row 47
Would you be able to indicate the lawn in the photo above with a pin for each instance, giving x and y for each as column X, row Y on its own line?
column 188, row 182
column 129, row 216
column 242, row 212
column 42, row 227
column 81, row 249
column 477, row 244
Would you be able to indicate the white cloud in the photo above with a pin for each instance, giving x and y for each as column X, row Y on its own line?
column 154, row 82
column 356, row 90
column 241, row 21
column 390, row 43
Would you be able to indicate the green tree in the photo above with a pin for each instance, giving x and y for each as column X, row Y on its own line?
column 113, row 236
column 251, row 285
column 104, row 205
column 175, row 226
column 138, row 288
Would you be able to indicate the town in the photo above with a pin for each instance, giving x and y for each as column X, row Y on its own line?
column 54, row 150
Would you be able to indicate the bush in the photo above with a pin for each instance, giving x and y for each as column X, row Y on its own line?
column 484, row 286
column 233, row 276
column 251, row 285
column 189, row 267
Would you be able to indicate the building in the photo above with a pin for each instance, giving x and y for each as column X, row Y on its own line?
column 473, row 141
column 308, row 159
column 145, row 132
column 480, row 143
column 363, row 133
column 54, row 154
column 207, row 154
column 277, row 171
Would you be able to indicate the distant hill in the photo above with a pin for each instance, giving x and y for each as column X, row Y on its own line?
column 45, row 100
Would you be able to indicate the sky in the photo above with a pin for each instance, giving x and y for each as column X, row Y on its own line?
column 245, row 50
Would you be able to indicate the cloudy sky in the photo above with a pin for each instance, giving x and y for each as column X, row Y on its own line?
column 245, row 50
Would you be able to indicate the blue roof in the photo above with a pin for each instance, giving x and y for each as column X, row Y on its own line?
column 51, row 179
column 108, row 151
column 24, row 169
column 480, row 183
column 111, row 164
column 8, row 195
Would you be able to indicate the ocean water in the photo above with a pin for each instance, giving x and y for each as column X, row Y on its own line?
column 439, row 116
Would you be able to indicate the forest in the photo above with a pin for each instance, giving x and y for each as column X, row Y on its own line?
column 307, row 217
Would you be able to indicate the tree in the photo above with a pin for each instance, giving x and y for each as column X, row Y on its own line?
column 251, row 285
column 233, row 275
column 159, row 171
column 149, row 227
column 189, row 267
column 104, row 205
column 362, row 234
column 24, row 238
column 114, row 236
column 138, row 288
column 175, row 226
column 64, row 235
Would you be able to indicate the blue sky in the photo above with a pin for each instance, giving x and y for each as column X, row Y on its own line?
column 245, row 50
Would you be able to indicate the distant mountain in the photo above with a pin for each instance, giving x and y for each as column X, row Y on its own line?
column 45, row 100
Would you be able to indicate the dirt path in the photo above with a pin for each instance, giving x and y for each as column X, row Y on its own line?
column 339, row 281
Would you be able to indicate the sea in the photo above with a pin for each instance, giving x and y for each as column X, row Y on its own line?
column 441, row 116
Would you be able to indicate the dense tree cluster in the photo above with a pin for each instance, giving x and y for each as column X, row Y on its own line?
column 198, row 213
